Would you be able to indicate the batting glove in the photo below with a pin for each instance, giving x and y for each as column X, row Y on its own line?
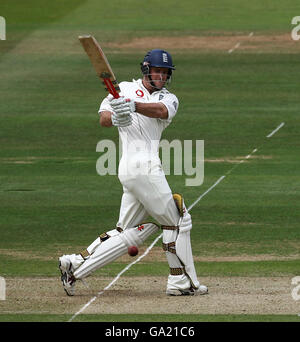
column 122, row 106
column 121, row 121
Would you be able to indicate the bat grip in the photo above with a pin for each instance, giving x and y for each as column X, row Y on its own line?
column 111, row 88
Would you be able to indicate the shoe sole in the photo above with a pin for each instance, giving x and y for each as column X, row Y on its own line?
column 62, row 274
column 179, row 293
column 59, row 267
column 187, row 293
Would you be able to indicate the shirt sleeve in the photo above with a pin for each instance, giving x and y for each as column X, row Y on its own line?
column 105, row 105
column 172, row 103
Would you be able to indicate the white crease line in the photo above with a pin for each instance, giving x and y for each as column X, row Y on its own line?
column 237, row 45
column 276, row 130
column 242, row 161
column 249, row 155
column 206, row 192
column 159, row 237
column 139, row 258
column 83, row 308
column 115, row 279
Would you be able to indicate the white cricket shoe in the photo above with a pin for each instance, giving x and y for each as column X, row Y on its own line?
column 201, row 290
column 67, row 277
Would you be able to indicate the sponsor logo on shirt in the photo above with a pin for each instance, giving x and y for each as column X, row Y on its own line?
column 139, row 93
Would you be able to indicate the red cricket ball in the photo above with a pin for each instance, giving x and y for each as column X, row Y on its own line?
column 133, row 250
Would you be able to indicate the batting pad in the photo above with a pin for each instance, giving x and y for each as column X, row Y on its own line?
column 115, row 247
column 179, row 253
column 184, row 253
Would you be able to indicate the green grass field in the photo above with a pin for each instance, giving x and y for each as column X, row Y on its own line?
column 54, row 202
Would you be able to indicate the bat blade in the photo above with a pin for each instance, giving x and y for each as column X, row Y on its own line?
column 101, row 64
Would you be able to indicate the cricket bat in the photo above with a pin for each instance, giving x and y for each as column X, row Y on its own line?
column 101, row 64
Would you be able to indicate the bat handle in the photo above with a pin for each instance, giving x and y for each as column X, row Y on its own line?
column 111, row 88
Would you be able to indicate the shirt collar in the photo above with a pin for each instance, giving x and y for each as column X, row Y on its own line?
column 140, row 83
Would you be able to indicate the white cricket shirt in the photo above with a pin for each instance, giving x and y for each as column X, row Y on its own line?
column 144, row 134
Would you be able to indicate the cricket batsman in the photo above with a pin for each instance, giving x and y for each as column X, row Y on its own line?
column 141, row 113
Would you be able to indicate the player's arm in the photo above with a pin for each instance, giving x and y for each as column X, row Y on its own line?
column 152, row 110
column 105, row 119
column 108, row 117
column 124, row 106
column 164, row 109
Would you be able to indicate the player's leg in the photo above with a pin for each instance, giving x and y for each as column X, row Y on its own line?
column 176, row 224
column 115, row 247
column 68, row 263
column 132, row 213
column 110, row 245
column 180, row 256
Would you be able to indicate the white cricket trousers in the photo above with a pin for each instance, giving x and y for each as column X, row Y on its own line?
column 148, row 194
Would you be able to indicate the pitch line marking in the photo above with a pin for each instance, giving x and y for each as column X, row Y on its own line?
column 237, row 45
column 206, row 192
column 140, row 257
column 115, row 279
column 242, row 161
column 159, row 237
column 275, row 130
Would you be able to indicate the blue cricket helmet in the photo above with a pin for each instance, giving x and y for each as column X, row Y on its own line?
column 157, row 58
